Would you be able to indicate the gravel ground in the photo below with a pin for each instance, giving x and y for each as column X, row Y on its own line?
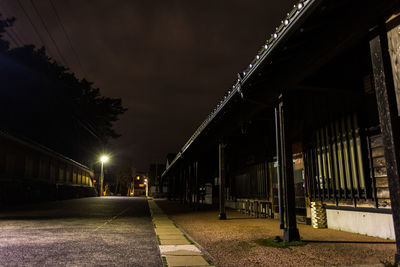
column 231, row 242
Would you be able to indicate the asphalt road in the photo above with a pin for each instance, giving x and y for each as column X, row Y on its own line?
column 106, row 231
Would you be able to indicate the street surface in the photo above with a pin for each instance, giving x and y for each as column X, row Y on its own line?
column 106, row 231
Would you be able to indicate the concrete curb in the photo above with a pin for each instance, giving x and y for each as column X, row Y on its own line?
column 175, row 246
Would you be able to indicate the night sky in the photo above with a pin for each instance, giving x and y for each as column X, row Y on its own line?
column 169, row 61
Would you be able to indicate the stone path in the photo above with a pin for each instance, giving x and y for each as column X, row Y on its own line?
column 175, row 248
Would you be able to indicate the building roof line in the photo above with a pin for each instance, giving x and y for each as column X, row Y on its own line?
column 37, row 146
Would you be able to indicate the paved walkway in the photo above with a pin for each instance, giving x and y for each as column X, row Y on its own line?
column 97, row 231
column 175, row 248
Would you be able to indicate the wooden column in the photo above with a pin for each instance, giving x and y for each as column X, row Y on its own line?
column 190, row 187
column 186, row 186
column 221, row 181
column 176, row 181
column 170, row 186
column 173, row 190
column 291, row 233
column 279, row 167
column 161, row 185
column 182, row 187
column 389, row 122
column 197, row 191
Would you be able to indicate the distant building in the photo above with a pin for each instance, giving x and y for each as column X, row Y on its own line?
column 155, row 172
column 138, row 186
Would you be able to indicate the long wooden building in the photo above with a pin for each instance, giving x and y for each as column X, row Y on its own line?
column 310, row 130
column 30, row 172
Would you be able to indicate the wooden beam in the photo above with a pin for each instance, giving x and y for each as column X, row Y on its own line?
column 389, row 122
column 221, row 157
column 197, row 191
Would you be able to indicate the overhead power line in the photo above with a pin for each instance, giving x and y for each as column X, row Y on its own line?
column 67, row 36
column 48, row 32
column 31, row 22
column 16, row 43
column 17, row 37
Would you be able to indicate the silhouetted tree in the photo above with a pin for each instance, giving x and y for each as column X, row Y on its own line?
column 44, row 101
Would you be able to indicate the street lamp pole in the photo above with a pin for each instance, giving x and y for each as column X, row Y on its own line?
column 101, row 178
column 146, row 181
column 103, row 160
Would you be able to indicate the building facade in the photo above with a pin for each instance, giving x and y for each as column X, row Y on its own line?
column 309, row 132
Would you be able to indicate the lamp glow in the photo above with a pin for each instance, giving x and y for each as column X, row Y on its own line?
column 104, row 159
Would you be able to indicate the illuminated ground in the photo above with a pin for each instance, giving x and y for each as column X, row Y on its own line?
column 109, row 231
column 233, row 242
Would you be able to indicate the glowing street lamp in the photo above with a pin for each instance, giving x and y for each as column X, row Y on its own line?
column 147, row 187
column 103, row 159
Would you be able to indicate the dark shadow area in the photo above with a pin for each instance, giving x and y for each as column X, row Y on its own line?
column 249, row 218
column 176, row 208
column 85, row 208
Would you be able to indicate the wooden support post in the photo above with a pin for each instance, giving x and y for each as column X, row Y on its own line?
column 190, row 188
column 182, row 189
column 175, row 180
column 279, row 167
column 169, row 187
column 221, row 157
column 176, row 183
column 172, row 187
column 187, row 186
column 389, row 122
column 291, row 233
column 161, row 185
column 197, row 191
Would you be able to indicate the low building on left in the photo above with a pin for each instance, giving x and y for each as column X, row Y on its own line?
column 31, row 172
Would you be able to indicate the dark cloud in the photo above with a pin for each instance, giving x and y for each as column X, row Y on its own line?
column 169, row 61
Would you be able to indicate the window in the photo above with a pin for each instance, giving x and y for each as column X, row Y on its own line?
column 74, row 177
column 52, row 172
column 61, row 174
column 28, row 167
column 335, row 162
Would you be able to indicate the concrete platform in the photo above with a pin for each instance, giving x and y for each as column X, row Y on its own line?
column 164, row 249
column 172, row 237
column 174, row 242
column 186, row 261
column 167, row 231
